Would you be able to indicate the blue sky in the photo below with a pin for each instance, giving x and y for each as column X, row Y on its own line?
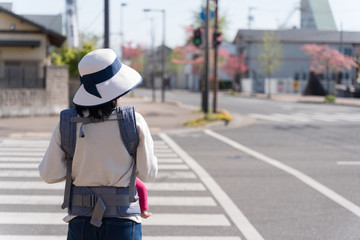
column 268, row 14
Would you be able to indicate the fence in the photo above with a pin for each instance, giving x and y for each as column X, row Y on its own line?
column 22, row 77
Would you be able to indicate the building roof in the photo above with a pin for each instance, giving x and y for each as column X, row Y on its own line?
column 52, row 22
column 55, row 38
column 301, row 36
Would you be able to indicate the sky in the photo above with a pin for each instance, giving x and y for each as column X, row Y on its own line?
column 267, row 14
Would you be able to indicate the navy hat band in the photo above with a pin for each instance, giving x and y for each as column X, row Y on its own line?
column 90, row 80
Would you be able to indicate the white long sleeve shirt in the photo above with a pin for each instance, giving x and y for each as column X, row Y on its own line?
column 100, row 158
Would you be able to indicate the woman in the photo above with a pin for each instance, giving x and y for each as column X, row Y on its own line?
column 101, row 160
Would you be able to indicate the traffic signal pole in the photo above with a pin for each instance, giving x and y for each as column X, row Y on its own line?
column 215, row 45
column 206, row 74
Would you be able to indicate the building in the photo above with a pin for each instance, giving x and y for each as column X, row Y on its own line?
column 295, row 64
column 28, row 82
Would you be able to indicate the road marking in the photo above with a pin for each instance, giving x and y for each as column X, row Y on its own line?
column 186, row 220
column 166, row 155
column 163, row 150
column 187, row 238
column 33, row 218
column 32, row 237
column 31, row 199
column 22, row 149
column 18, row 165
column 236, row 215
column 170, row 166
column 20, row 159
column 176, row 174
column 175, row 187
column 58, row 199
column 30, row 185
column 24, row 154
column 57, row 237
column 351, row 163
column 181, row 201
column 52, row 218
column 296, row 173
column 169, row 160
column 19, row 173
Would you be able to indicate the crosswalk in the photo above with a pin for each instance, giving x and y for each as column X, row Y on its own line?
column 309, row 118
column 182, row 206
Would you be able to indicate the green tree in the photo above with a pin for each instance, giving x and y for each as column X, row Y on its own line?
column 270, row 57
column 71, row 56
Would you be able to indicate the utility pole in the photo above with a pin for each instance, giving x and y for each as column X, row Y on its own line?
column 122, row 29
column 106, row 27
column 206, row 74
column 216, row 85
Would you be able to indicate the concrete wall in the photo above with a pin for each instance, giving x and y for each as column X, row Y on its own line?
column 36, row 101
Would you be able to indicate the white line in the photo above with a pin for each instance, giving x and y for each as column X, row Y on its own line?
column 180, row 201
column 19, row 165
column 168, row 150
column 53, row 237
column 291, row 118
column 34, row 218
column 169, row 160
column 30, row 185
column 22, row 149
column 56, row 237
column 47, row 218
column 20, row 159
column 166, row 155
column 170, row 166
column 188, row 238
column 19, row 173
column 348, row 163
column 32, row 237
column 23, row 154
column 297, row 174
column 175, row 187
column 267, row 117
column 31, row 199
column 223, row 199
column 176, row 174
column 187, row 220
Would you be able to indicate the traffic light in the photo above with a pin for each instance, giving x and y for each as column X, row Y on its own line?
column 217, row 38
column 197, row 37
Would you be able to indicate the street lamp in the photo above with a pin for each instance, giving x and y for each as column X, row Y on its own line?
column 122, row 29
column 163, row 55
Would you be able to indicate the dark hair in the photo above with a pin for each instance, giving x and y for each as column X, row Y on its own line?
column 98, row 112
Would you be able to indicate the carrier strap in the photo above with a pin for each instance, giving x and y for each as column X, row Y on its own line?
column 128, row 129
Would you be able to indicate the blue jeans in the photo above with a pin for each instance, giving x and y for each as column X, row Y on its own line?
column 111, row 229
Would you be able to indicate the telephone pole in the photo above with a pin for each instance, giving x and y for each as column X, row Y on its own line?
column 106, row 27
column 215, row 45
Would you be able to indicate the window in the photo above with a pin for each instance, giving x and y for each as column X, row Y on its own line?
column 348, row 51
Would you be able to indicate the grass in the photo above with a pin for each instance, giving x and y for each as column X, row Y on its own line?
column 330, row 99
column 209, row 118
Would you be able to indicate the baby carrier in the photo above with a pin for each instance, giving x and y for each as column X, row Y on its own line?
column 102, row 201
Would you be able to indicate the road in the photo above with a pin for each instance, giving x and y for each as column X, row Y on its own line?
column 291, row 174
column 299, row 175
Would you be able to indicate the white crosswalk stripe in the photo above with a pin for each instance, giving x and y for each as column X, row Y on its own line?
column 19, row 159
column 303, row 118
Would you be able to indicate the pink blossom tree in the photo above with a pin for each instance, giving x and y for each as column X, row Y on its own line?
column 328, row 60
column 133, row 56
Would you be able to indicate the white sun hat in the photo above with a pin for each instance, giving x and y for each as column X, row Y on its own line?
column 103, row 78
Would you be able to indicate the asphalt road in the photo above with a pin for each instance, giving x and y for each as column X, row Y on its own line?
column 298, row 177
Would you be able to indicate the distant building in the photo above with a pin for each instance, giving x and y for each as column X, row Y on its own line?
column 28, row 84
column 316, row 14
column 295, row 63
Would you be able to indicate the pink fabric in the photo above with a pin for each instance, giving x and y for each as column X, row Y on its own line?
column 142, row 192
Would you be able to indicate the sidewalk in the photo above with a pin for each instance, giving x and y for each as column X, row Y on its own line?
column 159, row 116
column 306, row 99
